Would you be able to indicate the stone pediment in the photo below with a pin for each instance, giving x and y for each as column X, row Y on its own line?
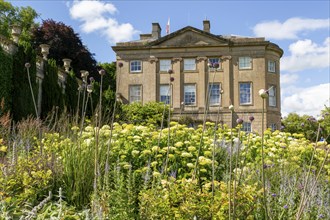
column 190, row 37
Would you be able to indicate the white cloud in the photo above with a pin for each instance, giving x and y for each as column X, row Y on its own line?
column 309, row 101
column 98, row 16
column 290, row 28
column 305, row 54
column 289, row 78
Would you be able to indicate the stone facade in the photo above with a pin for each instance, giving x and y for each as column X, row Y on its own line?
column 246, row 66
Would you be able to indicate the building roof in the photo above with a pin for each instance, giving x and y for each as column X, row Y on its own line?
column 191, row 39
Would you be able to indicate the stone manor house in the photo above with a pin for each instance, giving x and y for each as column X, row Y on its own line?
column 179, row 69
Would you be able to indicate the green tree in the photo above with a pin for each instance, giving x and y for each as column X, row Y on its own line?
column 308, row 125
column 22, row 16
column 109, row 87
column 65, row 43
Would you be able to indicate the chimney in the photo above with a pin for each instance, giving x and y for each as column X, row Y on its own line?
column 156, row 30
column 206, row 26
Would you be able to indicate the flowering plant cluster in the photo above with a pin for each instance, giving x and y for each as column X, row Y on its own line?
column 175, row 172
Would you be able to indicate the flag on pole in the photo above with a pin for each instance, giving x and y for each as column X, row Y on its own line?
column 168, row 26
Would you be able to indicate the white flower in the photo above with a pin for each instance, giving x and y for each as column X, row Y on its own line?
column 263, row 93
column 320, row 118
column 231, row 107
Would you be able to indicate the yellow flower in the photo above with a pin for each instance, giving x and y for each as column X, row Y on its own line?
column 190, row 165
column 185, row 154
column 3, row 149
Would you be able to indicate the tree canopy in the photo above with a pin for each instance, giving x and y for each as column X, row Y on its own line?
column 65, row 43
column 22, row 16
column 311, row 127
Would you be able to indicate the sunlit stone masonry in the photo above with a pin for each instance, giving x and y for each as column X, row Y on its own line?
column 201, row 74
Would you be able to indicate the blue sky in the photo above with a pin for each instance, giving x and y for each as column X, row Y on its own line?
column 300, row 28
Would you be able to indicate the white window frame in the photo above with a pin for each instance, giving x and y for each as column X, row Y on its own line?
column 246, row 126
column 271, row 66
column 165, row 65
column 135, row 96
column 245, row 93
column 165, row 91
column 272, row 96
column 189, row 64
column 216, row 60
column 214, row 94
column 135, row 66
column 190, row 99
column 244, row 63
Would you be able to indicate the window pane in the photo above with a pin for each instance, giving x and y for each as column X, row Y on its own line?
column 135, row 94
column 245, row 93
column 244, row 63
column 189, row 94
column 216, row 60
column 246, row 127
column 271, row 66
column 189, row 64
column 214, row 91
column 165, row 94
column 136, row 66
column 164, row 65
column 272, row 96
column 273, row 127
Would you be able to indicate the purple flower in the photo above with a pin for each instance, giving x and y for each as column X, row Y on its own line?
column 239, row 121
column 210, row 65
column 172, row 79
column 285, row 206
column 251, row 118
column 91, row 79
column 274, row 195
column 216, row 65
column 120, row 64
column 302, row 124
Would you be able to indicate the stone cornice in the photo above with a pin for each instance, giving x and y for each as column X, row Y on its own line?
column 153, row 59
column 199, row 59
column 176, row 59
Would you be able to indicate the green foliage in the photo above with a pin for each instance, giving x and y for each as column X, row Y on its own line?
column 308, row 125
column 7, row 14
column 71, row 91
column 186, row 199
column 22, row 16
column 132, row 182
column 65, row 43
column 22, row 104
column 149, row 113
column 52, row 96
column 109, row 87
column 6, row 67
